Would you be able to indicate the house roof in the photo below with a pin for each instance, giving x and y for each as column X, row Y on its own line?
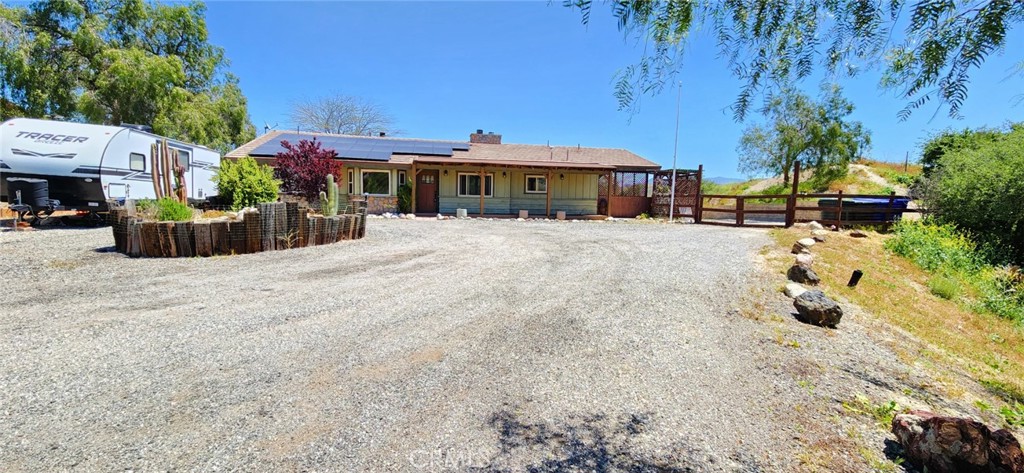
column 556, row 156
column 497, row 154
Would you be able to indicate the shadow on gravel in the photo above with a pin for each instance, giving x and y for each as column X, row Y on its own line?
column 894, row 452
column 592, row 443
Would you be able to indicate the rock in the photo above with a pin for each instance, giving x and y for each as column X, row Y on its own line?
column 805, row 260
column 803, row 275
column 803, row 245
column 940, row 444
column 815, row 308
column 794, row 290
column 440, row 217
column 815, row 226
column 819, row 232
column 520, row 219
column 819, row 238
column 858, row 234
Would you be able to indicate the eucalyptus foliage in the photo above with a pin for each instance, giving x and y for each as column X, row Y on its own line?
column 121, row 61
column 926, row 50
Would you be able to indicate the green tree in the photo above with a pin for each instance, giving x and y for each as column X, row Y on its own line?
column 927, row 50
column 801, row 130
column 125, row 61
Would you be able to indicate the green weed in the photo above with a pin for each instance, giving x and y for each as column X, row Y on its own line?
column 944, row 286
column 882, row 413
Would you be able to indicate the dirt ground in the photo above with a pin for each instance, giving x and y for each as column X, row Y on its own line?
column 427, row 346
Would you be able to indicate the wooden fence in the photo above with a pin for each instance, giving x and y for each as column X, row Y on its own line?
column 275, row 226
column 783, row 210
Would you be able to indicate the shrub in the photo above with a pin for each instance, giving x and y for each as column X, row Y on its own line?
column 144, row 205
column 979, row 188
column 170, row 210
column 1002, row 292
column 904, row 179
column 245, row 182
column 934, row 247
column 946, row 287
column 405, row 198
column 303, row 168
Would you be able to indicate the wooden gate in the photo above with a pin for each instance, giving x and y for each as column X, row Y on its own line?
column 687, row 193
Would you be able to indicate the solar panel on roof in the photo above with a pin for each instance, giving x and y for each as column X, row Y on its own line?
column 355, row 147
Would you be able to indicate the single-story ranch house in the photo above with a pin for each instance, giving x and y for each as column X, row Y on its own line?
column 483, row 176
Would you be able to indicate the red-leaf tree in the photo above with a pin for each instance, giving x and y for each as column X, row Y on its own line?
column 303, row 167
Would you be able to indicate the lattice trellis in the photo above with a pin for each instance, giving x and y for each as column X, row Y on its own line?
column 631, row 184
column 687, row 190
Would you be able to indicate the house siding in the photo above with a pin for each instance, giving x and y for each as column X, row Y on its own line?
column 576, row 194
column 378, row 204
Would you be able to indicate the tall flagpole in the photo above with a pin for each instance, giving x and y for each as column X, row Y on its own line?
column 675, row 152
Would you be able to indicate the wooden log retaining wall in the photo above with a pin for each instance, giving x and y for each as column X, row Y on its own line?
column 275, row 226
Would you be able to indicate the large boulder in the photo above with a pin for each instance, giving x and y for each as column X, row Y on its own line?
column 815, row 308
column 803, row 275
column 939, row 444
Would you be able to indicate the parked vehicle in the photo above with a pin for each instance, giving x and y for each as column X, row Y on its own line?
column 85, row 166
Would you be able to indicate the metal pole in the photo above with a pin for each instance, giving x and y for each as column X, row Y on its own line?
column 675, row 152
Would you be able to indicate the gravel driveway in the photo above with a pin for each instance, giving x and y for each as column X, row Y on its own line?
column 427, row 346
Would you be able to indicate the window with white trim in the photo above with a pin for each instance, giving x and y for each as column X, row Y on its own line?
column 137, row 162
column 351, row 182
column 376, row 182
column 469, row 185
column 536, row 184
column 401, row 178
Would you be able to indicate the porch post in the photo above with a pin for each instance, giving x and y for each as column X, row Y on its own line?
column 483, row 187
column 608, row 195
column 412, row 200
column 547, row 181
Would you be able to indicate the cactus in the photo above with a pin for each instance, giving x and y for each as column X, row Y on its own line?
column 329, row 199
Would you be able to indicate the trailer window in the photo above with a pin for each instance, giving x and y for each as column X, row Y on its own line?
column 184, row 158
column 136, row 162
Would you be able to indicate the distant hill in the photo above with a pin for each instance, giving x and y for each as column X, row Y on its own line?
column 724, row 180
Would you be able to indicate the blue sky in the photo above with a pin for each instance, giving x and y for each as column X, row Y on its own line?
column 532, row 72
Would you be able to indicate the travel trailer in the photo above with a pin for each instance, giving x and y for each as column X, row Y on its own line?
column 85, row 165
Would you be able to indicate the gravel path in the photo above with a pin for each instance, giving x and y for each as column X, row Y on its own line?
column 427, row 346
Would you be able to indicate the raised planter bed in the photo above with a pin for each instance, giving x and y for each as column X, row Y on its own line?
column 275, row 226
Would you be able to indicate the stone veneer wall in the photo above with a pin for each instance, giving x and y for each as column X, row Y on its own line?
column 381, row 204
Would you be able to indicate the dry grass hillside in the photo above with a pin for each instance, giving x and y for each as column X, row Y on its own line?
column 865, row 176
column 986, row 349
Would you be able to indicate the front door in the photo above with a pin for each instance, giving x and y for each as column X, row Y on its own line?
column 426, row 192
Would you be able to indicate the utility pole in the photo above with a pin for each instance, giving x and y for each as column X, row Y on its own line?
column 906, row 161
column 675, row 152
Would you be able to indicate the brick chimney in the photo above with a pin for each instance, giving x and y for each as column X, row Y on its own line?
column 489, row 138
